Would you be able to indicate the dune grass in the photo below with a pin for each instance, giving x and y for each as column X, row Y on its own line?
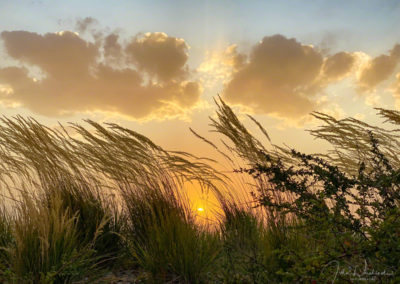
column 163, row 237
column 82, row 201
column 47, row 245
column 6, row 239
column 85, row 203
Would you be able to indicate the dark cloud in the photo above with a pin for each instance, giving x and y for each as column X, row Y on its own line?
column 395, row 52
column 77, row 80
column 82, row 25
column 113, row 50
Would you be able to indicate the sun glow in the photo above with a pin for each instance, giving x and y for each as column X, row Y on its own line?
column 200, row 209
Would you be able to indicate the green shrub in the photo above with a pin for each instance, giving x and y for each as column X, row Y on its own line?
column 347, row 219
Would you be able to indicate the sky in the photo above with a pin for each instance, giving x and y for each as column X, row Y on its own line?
column 155, row 66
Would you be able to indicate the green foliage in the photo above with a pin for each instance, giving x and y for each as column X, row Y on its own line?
column 347, row 218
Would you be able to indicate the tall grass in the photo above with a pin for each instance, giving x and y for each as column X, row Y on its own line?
column 97, row 217
column 245, row 245
column 47, row 245
column 6, row 240
column 92, row 198
column 83, row 201
column 163, row 237
column 350, row 139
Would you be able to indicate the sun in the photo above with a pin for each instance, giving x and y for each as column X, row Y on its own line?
column 200, row 209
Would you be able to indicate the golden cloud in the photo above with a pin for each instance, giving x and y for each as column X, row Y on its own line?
column 281, row 77
column 338, row 65
column 396, row 90
column 113, row 51
column 160, row 56
column 378, row 70
column 285, row 78
column 219, row 65
column 77, row 79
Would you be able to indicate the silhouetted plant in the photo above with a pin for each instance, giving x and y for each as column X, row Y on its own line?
column 342, row 206
column 346, row 218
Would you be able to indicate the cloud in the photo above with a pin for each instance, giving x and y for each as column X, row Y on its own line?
column 396, row 90
column 82, row 25
column 113, row 51
column 78, row 79
column 338, row 65
column 378, row 70
column 233, row 58
column 219, row 65
column 281, row 77
column 62, row 55
column 162, row 57
column 284, row 78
